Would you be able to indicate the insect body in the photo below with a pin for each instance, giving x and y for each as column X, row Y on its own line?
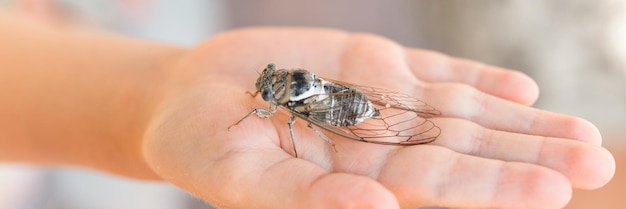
column 356, row 112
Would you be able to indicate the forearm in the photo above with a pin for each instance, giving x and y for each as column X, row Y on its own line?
column 76, row 97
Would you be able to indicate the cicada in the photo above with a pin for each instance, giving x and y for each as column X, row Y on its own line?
column 356, row 112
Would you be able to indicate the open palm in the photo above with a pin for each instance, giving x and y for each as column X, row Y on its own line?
column 493, row 150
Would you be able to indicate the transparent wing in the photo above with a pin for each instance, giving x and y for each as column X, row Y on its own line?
column 403, row 120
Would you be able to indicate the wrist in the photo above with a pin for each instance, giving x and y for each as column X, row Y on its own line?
column 138, row 101
column 77, row 97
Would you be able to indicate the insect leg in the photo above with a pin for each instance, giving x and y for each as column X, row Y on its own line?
column 291, row 121
column 321, row 134
column 261, row 112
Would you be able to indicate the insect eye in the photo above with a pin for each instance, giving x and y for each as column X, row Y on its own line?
column 267, row 95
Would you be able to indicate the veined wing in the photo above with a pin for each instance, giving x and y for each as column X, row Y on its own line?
column 403, row 120
column 389, row 99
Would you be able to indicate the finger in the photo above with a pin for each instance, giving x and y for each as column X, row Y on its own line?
column 462, row 101
column 507, row 84
column 586, row 166
column 430, row 175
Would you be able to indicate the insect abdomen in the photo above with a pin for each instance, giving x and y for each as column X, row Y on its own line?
column 346, row 106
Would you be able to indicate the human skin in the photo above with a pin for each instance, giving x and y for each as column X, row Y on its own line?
column 152, row 111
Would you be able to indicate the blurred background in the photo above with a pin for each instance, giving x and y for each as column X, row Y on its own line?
column 575, row 50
